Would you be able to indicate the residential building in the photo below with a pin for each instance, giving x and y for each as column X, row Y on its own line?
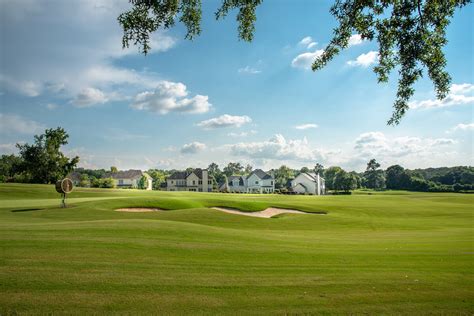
column 258, row 181
column 197, row 180
column 130, row 179
column 310, row 183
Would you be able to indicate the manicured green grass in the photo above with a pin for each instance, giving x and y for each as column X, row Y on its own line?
column 381, row 253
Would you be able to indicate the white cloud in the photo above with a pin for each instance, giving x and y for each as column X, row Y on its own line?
column 400, row 150
column 171, row 97
column 25, row 87
column 51, row 106
column 7, row 149
column 305, row 60
column 278, row 148
column 242, row 134
column 355, row 39
column 459, row 95
column 193, row 148
column 365, row 60
column 306, row 126
column 462, row 127
column 311, row 45
column 249, row 70
column 13, row 124
column 89, row 97
column 306, row 41
column 225, row 120
column 57, row 60
column 462, row 88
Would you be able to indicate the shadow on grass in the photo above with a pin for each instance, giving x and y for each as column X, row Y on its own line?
column 26, row 210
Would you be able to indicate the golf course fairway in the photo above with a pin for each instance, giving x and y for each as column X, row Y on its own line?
column 373, row 253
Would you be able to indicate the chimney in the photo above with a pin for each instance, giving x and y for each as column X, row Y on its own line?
column 205, row 180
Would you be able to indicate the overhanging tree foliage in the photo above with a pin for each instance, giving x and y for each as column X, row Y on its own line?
column 410, row 34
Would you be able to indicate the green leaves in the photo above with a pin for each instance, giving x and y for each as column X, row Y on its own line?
column 410, row 34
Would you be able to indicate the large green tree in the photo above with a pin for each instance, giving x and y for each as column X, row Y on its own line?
column 9, row 166
column 344, row 181
column 282, row 175
column 43, row 161
column 410, row 34
column 329, row 175
column 233, row 168
column 397, row 178
column 374, row 176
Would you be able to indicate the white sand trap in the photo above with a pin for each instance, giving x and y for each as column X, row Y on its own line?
column 138, row 209
column 267, row 213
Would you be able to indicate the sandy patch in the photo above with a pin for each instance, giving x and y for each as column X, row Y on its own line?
column 267, row 213
column 138, row 209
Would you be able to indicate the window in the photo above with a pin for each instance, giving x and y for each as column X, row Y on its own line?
column 172, row 182
column 120, row 182
column 194, row 182
column 200, row 182
column 256, row 182
column 209, row 182
column 271, row 182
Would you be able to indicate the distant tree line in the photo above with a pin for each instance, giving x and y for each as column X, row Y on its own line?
column 43, row 162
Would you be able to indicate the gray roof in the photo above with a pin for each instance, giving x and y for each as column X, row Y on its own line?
column 126, row 174
column 232, row 178
column 261, row 174
column 182, row 175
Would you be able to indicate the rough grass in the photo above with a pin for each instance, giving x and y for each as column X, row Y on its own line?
column 383, row 253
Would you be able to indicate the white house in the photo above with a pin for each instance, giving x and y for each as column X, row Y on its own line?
column 310, row 183
column 196, row 180
column 258, row 181
column 237, row 184
column 130, row 179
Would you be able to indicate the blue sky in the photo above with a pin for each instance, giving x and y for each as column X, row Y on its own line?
column 219, row 99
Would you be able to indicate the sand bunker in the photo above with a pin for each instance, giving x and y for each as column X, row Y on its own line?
column 267, row 213
column 138, row 209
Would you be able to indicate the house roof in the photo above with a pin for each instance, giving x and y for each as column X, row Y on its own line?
column 126, row 174
column 261, row 174
column 232, row 178
column 182, row 175
column 312, row 176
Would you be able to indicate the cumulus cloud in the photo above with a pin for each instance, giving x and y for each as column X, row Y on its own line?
column 306, row 41
column 57, row 60
column 192, row 148
column 249, row 70
column 462, row 88
column 312, row 45
column 171, row 97
column 305, row 60
column 225, row 120
column 89, row 96
column 51, row 106
column 376, row 144
column 462, row 127
column 242, row 134
column 14, row 124
column 306, row 126
column 355, row 39
column 278, row 148
column 460, row 94
column 7, row 149
column 365, row 60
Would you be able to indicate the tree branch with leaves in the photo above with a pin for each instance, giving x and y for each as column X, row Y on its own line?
column 410, row 34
